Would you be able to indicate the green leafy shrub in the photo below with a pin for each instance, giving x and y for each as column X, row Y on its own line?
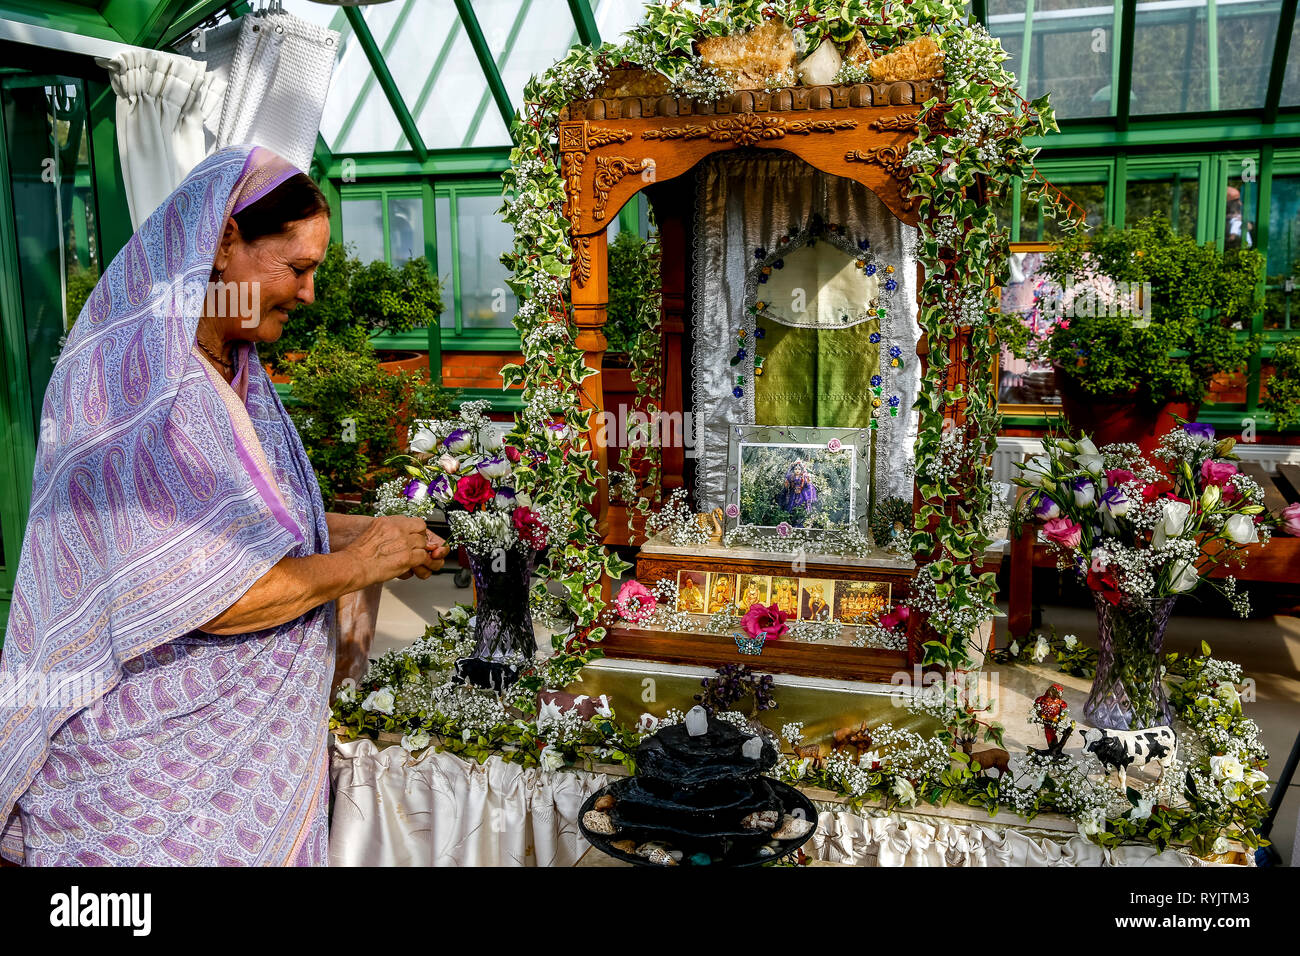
column 373, row 297
column 633, row 276
column 353, row 416
column 1282, row 392
column 1199, row 298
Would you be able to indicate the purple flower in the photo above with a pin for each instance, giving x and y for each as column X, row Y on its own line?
column 875, row 337
column 440, row 488
column 870, row 269
column 893, row 401
column 458, row 441
column 895, row 351
column 891, row 284
column 494, row 467
column 1200, row 431
column 875, row 381
column 864, row 244
column 760, row 253
column 1045, row 509
column 740, row 354
column 416, row 490
column 760, row 333
column 738, row 391
column 783, row 529
column 733, row 510
column 1085, row 492
column 1115, row 502
column 505, row 499
column 834, row 444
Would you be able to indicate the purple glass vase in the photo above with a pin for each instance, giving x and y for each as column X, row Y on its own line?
column 503, row 620
column 1128, row 692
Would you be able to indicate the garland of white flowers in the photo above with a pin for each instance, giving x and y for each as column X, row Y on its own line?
column 974, row 135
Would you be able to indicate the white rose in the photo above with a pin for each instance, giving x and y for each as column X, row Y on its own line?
column 1070, row 641
column 424, row 441
column 869, row 759
column 416, row 741
column 1227, row 768
column 905, row 792
column 1173, row 520
column 1092, row 464
column 1143, row 809
column 1036, row 469
column 380, row 701
column 459, row 614
column 1228, row 694
column 1014, row 649
column 1184, row 577
column 1041, row 647
column 1085, row 446
column 1240, row 529
column 1221, row 845
column 1256, row 779
column 550, row 759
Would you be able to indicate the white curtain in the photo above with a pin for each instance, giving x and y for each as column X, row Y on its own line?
column 279, row 75
column 747, row 201
column 163, row 102
column 845, row 837
column 392, row 809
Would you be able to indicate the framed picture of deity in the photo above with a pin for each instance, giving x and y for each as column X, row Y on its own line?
column 797, row 482
column 1027, row 386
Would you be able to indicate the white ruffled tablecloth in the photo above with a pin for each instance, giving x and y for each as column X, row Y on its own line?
column 395, row 809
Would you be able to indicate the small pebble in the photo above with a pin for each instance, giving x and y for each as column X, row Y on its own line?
column 792, row 828
column 625, row 846
column 598, row 822
column 701, row 859
column 760, row 820
column 605, row 802
column 766, row 851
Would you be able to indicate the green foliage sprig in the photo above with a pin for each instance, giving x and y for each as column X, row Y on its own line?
column 1282, row 392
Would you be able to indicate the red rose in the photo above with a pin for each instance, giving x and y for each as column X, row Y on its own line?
column 530, row 529
column 768, row 621
column 1156, row 489
column 512, row 454
column 1105, row 583
column 473, row 492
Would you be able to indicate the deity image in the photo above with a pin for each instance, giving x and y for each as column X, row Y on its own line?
column 798, row 496
column 861, row 602
column 722, row 592
column 691, row 586
column 753, row 589
column 785, row 595
column 813, row 605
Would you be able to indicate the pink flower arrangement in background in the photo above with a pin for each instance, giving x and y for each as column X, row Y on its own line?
column 1291, row 519
column 635, row 603
column 1217, row 472
column 768, row 621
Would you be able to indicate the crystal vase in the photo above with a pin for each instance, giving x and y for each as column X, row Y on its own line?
column 1128, row 693
column 503, row 621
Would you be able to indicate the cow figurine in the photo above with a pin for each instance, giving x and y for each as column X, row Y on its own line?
column 1117, row 750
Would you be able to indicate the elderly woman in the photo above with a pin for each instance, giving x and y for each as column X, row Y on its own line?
column 163, row 687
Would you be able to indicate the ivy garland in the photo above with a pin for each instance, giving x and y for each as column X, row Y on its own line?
column 973, row 136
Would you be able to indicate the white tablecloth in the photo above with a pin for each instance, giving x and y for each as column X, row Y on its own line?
column 392, row 809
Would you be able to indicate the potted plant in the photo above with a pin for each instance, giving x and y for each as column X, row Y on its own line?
column 1149, row 317
column 353, row 416
column 1281, row 392
column 374, row 297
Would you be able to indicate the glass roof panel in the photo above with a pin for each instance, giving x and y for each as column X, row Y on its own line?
column 417, row 59
column 616, row 17
column 1291, row 79
column 1071, row 51
column 453, row 93
column 1171, row 72
column 357, row 116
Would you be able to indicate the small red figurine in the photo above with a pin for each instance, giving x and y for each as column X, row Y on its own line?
column 1051, row 709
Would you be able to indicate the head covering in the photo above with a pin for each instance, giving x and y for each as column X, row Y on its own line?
column 145, row 523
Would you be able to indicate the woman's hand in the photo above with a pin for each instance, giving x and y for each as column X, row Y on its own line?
column 396, row 547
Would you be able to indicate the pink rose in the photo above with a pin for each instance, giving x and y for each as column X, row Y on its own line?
column 1064, row 532
column 1291, row 519
column 1118, row 476
column 1217, row 472
column 768, row 621
column 635, row 603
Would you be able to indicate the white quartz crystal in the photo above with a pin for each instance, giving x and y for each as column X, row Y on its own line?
column 697, row 721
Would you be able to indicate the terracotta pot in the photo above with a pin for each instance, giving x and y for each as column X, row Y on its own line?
column 397, row 361
column 1120, row 418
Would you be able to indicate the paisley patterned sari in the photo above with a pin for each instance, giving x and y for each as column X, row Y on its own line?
column 160, row 495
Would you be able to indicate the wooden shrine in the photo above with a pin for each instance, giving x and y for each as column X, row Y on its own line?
column 613, row 148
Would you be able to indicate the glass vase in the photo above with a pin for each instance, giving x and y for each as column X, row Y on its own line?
column 1128, row 693
column 503, row 620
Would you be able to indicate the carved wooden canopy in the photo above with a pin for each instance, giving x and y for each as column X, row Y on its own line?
column 613, row 148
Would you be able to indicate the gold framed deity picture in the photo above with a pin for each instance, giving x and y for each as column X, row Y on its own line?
column 814, row 599
column 722, row 592
column 861, row 602
column 785, row 595
column 691, row 589
column 753, row 589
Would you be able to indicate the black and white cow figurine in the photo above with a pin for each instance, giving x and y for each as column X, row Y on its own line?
column 1117, row 750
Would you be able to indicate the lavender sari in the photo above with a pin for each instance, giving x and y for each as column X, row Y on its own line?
column 161, row 493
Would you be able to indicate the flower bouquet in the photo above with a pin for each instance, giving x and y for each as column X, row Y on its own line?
column 464, row 468
column 1140, row 533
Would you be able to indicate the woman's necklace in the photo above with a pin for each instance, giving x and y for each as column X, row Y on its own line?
column 224, row 363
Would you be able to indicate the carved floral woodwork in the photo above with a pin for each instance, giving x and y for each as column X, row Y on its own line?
column 748, row 128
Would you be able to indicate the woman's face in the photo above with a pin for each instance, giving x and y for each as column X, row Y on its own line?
column 275, row 273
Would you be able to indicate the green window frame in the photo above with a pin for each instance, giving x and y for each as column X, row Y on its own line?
column 457, row 337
